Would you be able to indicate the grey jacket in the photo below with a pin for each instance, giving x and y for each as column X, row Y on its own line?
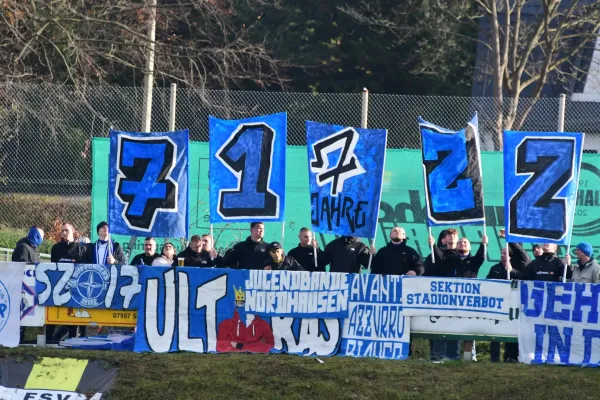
column 588, row 273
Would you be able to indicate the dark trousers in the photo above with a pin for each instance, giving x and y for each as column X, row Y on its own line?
column 54, row 335
column 444, row 349
column 511, row 351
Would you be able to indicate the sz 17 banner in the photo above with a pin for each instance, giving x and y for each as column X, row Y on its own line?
column 148, row 193
column 452, row 173
column 345, row 174
column 247, row 169
column 541, row 171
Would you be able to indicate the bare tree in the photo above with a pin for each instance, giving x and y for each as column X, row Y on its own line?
column 199, row 43
column 530, row 42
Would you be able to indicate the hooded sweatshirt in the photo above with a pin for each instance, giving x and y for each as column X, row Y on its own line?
column 397, row 259
column 287, row 264
column 346, row 254
column 234, row 336
column 247, row 255
column 546, row 267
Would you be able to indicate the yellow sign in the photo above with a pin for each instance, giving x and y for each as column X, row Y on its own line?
column 56, row 374
column 90, row 316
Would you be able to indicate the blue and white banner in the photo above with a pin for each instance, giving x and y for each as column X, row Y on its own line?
column 541, row 171
column 297, row 294
column 452, row 174
column 31, row 313
column 375, row 326
column 88, row 286
column 11, row 278
column 345, row 173
column 559, row 323
column 148, row 192
column 454, row 297
column 247, row 169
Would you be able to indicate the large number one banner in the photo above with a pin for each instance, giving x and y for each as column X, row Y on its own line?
column 345, row 172
column 247, row 169
column 148, row 193
column 452, row 174
column 541, row 171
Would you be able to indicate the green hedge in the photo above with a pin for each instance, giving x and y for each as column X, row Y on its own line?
column 9, row 239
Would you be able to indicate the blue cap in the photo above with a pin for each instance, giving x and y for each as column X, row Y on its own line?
column 586, row 248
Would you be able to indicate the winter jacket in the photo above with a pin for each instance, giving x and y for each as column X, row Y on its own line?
column 202, row 259
column 247, row 255
column 143, row 259
column 287, row 264
column 162, row 261
column 587, row 273
column 25, row 252
column 546, row 267
column 117, row 253
column 397, row 259
column 306, row 258
column 518, row 260
column 449, row 264
column 234, row 336
column 68, row 252
column 346, row 254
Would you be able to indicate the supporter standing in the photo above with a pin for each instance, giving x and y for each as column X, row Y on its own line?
column 305, row 252
column 397, row 258
column 347, row 254
column 280, row 262
column 546, row 267
column 538, row 250
column 252, row 252
column 200, row 253
column 149, row 254
column 27, row 249
column 586, row 270
column 105, row 250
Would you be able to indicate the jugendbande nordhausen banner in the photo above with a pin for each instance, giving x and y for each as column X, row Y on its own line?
column 11, row 278
column 31, row 313
column 247, row 168
column 148, row 194
column 541, row 173
column 453, row 297
column 452, row 174
column 375, row 326
column 402, row 202
column 84, row 286
column 559, row 323
column 346, row 167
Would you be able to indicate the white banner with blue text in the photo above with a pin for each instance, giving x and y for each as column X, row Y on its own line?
column 454, row 297
column 559, row 323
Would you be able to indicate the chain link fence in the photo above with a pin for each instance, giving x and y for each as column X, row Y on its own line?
column 46, row 132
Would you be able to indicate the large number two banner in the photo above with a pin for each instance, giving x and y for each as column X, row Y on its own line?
column 345, row 173
column 559, row 323
column 452, row 173
column 148, row 193
column 247, row 169
column 541, row 172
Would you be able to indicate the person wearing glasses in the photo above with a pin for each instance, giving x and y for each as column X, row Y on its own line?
column 305, row 252
column 280, row 262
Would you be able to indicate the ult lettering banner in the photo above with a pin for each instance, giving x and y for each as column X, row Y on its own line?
column 452, row 173
column 11, row 277
column 88, row 286
column 541, row 171
column 345, row 175
column 559, row 323
column 453, row 297
column 148, row 191
column 247, row 169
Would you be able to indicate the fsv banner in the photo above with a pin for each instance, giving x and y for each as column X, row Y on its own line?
column 345, row 173
column 541, row 175
column 148, row 191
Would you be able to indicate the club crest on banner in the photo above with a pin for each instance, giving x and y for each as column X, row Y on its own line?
column 4, row 306
column 89, row 281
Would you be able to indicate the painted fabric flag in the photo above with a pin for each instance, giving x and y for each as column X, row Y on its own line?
column 541, row 172
column 345, row 173
column 82, row 286
column 148, row 192
column 452, row 174
column 31, row 313
column 247, row 169
column 558, row 323
column 11, row 278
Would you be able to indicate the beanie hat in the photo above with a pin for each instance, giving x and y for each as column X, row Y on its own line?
column 586, row 249
column 101, row 225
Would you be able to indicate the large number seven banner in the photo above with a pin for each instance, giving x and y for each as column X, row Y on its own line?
column 541, row 171
column 452, row 173
column 247, row 169
column 11, row 277
column 558, row 323
column 345, row 173
column 148, row 193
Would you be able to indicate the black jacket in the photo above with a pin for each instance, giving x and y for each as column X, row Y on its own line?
column 247, row 255
column 306, row 258
column 288, row 264
column 397, row 259
column 203, row 260
column 449, row 264
column 546, row 267
column 518, row 260
column 117, row 253
column 346, row 254
column 25, row 252
column 143, row 259
column 68, row 252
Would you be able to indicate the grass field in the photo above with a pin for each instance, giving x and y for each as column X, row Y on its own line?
column 259, row 376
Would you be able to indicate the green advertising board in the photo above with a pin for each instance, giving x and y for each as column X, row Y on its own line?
column 402, row 201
